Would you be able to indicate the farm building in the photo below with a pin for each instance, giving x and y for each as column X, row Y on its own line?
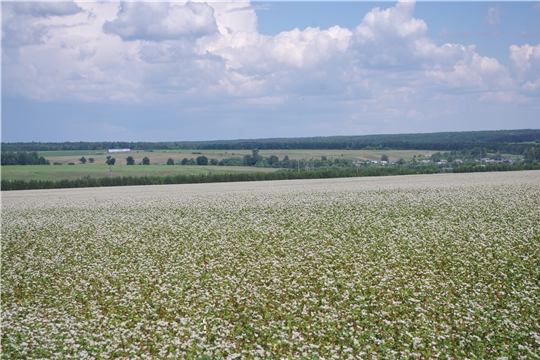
column 118, row 150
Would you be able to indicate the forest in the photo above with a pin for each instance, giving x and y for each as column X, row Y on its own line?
column 504, row 141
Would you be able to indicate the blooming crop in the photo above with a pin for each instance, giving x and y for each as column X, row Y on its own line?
column 395, row 267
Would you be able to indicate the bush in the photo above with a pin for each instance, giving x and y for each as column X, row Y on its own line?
column 71, row 163
column 57, row 163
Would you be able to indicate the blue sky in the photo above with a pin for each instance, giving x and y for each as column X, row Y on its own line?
column 162, row 71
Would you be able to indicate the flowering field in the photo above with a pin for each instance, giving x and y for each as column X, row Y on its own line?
column 421, row 266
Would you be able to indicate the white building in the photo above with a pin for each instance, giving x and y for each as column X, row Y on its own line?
column 118, row 150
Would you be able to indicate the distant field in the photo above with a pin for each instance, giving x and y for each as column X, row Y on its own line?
column 78, row 153
column 70, row 172
column 158, row 158
column 161, row 156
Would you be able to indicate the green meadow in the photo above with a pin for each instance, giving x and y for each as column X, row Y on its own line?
column 71, row 172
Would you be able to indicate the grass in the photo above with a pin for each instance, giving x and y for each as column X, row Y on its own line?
column 70, row 172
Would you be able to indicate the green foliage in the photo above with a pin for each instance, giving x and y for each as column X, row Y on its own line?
column 384, row 158
column 23, row 158
column 202, row 160
column 170, row 161
column 273, row 161
column 232, row 161
column 214, row 162
column 130, row 160
column 532, row 155
column 57, row 163
column 82, row 160
column 91, row 160
column 110, row 160
column 146, row 161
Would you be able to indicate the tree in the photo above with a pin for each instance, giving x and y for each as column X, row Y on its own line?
column 400, row 162
column 91, row 160
column 255, row 155
column 214, row 161
column 23, row 158
column 286, row 162
column 146, row 160
column 82, row 160
column 531, row 155
column 170, row 161
column 202, row 160
column 184, row 161
column 248, row 160
column 273, row 161
column 130, row 160
column 384, row 158
column 110, row 160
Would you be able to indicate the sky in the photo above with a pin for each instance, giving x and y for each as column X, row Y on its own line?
column 180, row 71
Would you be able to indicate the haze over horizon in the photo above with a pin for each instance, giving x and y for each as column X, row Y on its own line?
column 88, row 71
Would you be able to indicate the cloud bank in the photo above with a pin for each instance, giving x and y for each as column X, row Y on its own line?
column 206, row 55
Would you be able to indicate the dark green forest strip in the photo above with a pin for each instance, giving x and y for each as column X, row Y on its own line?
column 217, row 178
column 504, row 141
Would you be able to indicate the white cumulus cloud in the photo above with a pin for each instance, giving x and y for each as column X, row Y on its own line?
column 194, row 52
column 161, row 21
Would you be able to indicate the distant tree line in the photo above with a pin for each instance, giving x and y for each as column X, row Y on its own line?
column 215, row 178
column 272, row 161
column 531, row 154
column 507, row 141
column 23, row 158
